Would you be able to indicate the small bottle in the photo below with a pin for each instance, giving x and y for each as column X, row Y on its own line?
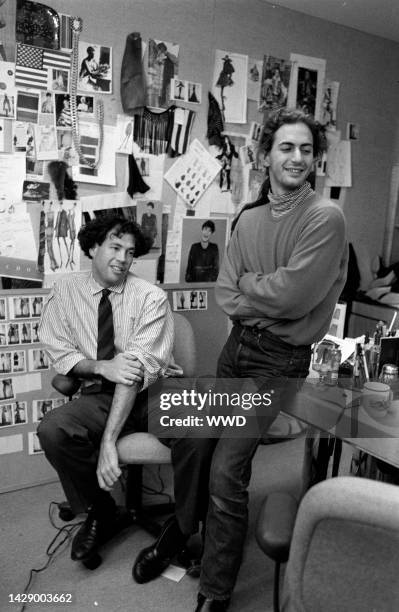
column 357, row 383
column 332, row 378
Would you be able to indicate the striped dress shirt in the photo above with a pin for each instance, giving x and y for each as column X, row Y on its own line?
column 143, row 323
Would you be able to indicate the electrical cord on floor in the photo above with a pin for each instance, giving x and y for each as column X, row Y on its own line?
column 64, row 535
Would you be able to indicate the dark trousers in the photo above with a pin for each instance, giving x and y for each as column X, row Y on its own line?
column 71, row 436
column 271, row 364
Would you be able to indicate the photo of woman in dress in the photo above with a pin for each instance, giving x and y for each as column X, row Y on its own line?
column 61, row 232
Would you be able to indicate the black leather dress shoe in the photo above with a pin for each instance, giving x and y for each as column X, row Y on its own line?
column 91, row 534
column 149, row 564
column 153, row 560
column 86, row 541
column 211, row 605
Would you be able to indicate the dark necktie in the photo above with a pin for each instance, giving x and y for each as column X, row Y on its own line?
column 105, row 338
column 42, row 242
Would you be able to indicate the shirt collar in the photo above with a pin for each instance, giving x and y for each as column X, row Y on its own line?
column 96, row 288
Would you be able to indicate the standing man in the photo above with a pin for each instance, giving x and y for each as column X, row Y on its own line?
column 114, row 331
column 203, row 258
column 280, row 280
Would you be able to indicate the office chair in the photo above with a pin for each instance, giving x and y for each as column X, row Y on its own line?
column 343, row 545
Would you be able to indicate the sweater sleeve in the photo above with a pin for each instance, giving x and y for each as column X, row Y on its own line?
column 228, row 295
column 314, row 266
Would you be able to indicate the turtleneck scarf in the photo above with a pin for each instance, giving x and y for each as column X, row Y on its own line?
column 282, row 204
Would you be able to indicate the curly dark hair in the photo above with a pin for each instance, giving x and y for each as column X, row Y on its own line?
column 95, row 232
column 285, row 116
column 209, row 224
column 274, row 121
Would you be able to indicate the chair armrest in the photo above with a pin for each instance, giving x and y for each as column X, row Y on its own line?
column 275, row 525
column 67, row 385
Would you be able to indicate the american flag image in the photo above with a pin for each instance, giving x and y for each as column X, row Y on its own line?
column 32, row 64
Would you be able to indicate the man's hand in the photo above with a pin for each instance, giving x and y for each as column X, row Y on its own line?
column 108, row 470
column 124, row 368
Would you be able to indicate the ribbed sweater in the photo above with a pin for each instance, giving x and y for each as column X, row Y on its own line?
column 286, row 274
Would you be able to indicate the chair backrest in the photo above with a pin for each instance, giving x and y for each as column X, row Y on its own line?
column 184, row 348
column 345, row 548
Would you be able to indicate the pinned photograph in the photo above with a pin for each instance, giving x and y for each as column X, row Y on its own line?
column 2, row 309
column 143, row 164
column 7, row 89
column 6, row 388
column 5, row 363
column 178, row 90
column 163, row 65
column 13, row 333
column 255, row 131
column 202, row 249
column 229, row 85
column 19, row 307
column 275, row 80
column 36, row 305
column 35, row 191
column 58, row 80
column 25, row 332
column 28, row 104
column 34, row 167
column 38, row 360
column 248, row 155
column 7, row 105
column 47, row 103
column 3, row 335
column 254, row 78
column 18, row 361
column 95, row 68
column 306, row 88
column 329, row 105
column 34, row 447
column 202, row 300
column 352, row 131
column 149, row 217
column 62, row 224
column 66, row 150
column 183, row 300
column 22, row 135
column 63, row 111
column 5, row 415
column 40, row 408
column 19, row 413
column 85, row 105
column 124, row 134
column 35, row 330
column 194, row 92
column 46, row 139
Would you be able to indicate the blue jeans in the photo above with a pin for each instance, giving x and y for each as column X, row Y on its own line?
column 270, row 362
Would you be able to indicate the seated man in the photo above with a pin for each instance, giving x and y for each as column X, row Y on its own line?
column 115, row 332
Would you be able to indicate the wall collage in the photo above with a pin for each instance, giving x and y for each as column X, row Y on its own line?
column 55, row 136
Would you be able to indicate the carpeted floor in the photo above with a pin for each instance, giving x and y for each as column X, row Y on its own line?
column 26, row 532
